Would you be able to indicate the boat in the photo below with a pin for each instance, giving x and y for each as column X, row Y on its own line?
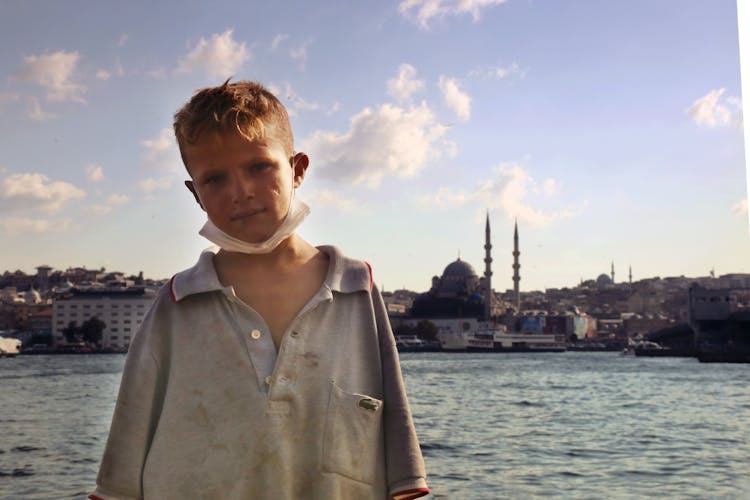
column 9, row 347
column 412, row 343
column 652, row 349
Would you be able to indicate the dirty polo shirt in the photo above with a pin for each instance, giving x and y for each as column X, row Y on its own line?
column 208, row 409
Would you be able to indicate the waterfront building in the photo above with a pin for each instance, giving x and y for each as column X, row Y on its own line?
column 121, row 308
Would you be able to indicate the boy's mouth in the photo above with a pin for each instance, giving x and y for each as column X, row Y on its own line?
column 246, row 215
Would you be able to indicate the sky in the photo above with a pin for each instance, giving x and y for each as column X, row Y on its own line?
column 611, row 131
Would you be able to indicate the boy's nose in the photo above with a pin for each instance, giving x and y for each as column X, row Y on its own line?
column 242, row 190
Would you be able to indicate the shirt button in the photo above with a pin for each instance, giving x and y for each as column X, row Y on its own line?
column 255, row 334
column 268, row 380
column 294, row 334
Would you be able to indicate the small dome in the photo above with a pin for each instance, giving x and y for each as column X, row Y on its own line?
column 32, row 297
column 459, row 269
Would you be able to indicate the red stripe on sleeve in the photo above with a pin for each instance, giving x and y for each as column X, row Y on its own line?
column 94, row 497
column 369, row 268
column 410, row 494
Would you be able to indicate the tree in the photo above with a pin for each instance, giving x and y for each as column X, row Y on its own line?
column 92, row 330
column 426, row 330
column 72, row 333
column 404, row 330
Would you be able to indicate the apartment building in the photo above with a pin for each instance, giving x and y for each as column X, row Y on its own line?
column 121, row 308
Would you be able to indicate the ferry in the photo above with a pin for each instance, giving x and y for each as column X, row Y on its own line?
column 469, row 334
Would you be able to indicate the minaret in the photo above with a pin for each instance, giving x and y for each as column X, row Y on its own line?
column 516, row 267
column 613, row 272
column 630, row 275
column 487, row 271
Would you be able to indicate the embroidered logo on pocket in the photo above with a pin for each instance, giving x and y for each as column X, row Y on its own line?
column 369, row 404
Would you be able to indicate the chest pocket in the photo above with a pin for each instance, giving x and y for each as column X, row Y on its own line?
column 352, row 441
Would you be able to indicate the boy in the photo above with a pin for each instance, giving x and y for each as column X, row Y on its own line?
column 267, row 370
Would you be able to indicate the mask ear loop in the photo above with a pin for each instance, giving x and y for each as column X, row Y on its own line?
column 293, row 190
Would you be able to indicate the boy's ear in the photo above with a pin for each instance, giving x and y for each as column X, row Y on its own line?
column 191, row 188
column 300, row 162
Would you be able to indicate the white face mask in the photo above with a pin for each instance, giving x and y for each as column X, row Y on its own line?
column 297, row 212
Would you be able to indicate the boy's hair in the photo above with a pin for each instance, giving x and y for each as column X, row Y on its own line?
column 244, row 107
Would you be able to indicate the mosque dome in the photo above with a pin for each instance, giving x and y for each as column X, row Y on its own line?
column 603, row 280
column 459, row 269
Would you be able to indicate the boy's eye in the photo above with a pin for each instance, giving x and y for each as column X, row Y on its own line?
column 213, row 179
column 259, row 167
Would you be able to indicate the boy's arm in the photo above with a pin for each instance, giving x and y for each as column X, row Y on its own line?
column 134, row 421
column 404, row 463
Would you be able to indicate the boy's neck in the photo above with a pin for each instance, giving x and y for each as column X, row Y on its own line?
column 291, row 250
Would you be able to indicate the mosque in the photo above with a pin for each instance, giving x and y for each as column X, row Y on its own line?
column 461, row 293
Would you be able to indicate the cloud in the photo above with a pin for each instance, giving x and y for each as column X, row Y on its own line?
column 740, row 208
column 422, row 11
column 219, row 57
column 277, row 40
column 293, row 102
column 55, row 73
column 94, row 173
column 103, row 74
column 123, row 40
column 151, row 184
column 38, row 114
column 499, row 72
column 507, row 191
column 405, row 83
column 117, row 199
column 334, row 108
column 300, row 52
column 713, row 111
column 446, row 197
column 549, row 186
column 112, row 200
column 457, row 100
column 162, row 153
column 97, row 210
column 328, row 198
column 33, row 191
column 387, row 141
column 17, row 225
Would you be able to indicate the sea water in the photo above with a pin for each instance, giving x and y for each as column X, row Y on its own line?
column 494, row 425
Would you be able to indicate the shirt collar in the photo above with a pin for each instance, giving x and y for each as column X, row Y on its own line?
column 345, row 275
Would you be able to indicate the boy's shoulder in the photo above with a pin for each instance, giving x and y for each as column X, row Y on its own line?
column 345, row 274
column 199, row 278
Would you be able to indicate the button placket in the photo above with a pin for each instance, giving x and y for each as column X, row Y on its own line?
column 259, row 346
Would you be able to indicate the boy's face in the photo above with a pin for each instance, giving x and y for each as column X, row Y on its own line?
column 244, row 186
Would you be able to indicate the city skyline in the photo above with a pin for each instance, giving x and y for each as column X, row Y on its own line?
column 611, row 132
